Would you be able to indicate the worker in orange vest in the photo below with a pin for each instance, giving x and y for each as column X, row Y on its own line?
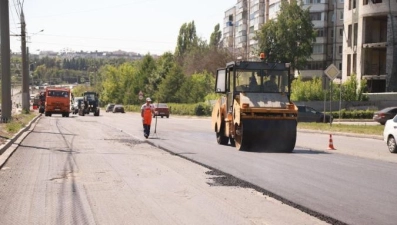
column 146, row 113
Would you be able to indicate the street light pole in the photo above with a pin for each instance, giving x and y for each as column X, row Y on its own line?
column 25, row 70
column 5, row 62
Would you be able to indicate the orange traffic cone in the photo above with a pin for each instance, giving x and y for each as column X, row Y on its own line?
column 331, row 144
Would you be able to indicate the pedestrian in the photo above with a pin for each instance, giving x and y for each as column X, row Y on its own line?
column 147, row 110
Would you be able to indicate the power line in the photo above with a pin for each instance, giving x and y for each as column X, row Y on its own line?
column 109, row 39
column 106, row 47
column 97, row 9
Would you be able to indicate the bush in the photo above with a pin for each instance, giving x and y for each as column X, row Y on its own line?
column 353, row 114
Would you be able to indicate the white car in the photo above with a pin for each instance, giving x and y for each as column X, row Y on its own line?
column 390, row 134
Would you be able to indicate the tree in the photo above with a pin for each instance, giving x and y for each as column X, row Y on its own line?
column 290, row 37
column 353, row 89
column 187, row 39
column 169, row 89
column 163, row 65
column 215, row 36
column 196, row 87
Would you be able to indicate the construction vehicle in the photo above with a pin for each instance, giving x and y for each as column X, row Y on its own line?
column 90, row 104
column 57, row 101
column 255, row 112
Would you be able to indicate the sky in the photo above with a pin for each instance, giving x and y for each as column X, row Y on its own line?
column 141, row 26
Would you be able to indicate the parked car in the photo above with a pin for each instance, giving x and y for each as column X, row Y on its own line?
column 390, row 134
column 118, row 108
column 308, row 114
column 109, row 107
column 76, row 104
column 385, row 114
column 161, row 109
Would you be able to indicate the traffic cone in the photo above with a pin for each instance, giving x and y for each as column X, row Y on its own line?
column 331, row 144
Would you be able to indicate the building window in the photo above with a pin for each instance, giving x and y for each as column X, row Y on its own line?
column 349, row 36
column 341, row 1
column 315, row 16
column 340, row 49
column 340, row 66
column 365, row 2
column 315, row 65
column 355, row 63
column 341, row 32
column 318, row 49
column 350, row 4
column 320, row 32
column 341, row 15
column 348, row 64
column 354, row 4
column 355, row 34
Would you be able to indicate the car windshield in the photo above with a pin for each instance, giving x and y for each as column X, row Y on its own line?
column 161, row 105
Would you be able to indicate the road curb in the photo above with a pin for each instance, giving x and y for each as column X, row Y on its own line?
column 7, row 149
column 378, row 137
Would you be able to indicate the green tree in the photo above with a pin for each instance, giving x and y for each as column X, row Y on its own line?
column 307, row 90
column 187, row 39
column 215, row 36
column 169, row 89
column 290, row 37
column 196, row 87
column 353, row 89
column 146, row 69
column 111, row 85
column 163, row 66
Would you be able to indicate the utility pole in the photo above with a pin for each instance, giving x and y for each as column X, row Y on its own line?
column 25, row 69
column 6, row 105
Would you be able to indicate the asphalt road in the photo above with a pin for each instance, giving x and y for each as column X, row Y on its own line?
column 355, row 184
column 100, row 170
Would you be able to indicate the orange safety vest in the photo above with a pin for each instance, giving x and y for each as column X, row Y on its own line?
column 147, row 114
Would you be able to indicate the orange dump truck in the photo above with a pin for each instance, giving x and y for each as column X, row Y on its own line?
column 57, row 101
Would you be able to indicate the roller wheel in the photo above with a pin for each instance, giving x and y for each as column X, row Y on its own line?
column 266, row 135
column 238, row 139
column 221, row 138
column 232, row 142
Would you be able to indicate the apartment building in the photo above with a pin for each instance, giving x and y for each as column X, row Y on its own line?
column 371, row 27
column 327, row 18
column 247, row 17
column 241, row 22
column 229, row 28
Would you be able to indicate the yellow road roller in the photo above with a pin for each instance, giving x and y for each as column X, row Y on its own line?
column 255, row 112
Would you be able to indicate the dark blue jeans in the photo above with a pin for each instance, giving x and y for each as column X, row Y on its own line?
column 146, row 129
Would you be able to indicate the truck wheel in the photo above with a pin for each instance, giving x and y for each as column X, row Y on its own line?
column 67, row 115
